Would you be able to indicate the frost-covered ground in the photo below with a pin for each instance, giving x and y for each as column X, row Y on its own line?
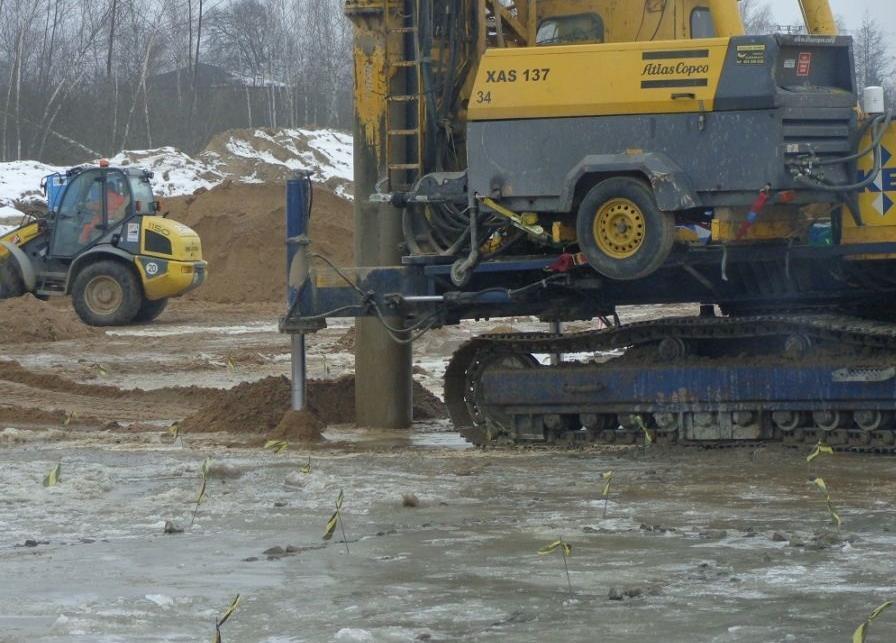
column 248, row 156
column 698, row 546
column 725, row 545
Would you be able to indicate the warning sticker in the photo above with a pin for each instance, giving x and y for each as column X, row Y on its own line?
column 133, row 235
column 751, row 54
column 804, row 65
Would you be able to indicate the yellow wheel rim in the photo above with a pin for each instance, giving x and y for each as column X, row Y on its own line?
column 619, row 228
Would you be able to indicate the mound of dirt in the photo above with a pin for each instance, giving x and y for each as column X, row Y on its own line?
column 301, row 426
column 243, row 232
column 346, row 343
column 28, row 319
column 259, row 407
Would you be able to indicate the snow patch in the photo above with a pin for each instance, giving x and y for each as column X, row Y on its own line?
column 245, row 156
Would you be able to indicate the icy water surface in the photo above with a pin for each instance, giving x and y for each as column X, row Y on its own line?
column 710, row 546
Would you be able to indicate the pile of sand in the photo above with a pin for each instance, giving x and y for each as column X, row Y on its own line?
column 243, row 232
column 259, row 407
column 28, row 319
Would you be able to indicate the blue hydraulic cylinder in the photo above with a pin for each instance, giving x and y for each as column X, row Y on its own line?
column 298, row 215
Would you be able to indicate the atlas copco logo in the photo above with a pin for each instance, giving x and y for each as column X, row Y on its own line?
column 884, row 183
column 681, row 69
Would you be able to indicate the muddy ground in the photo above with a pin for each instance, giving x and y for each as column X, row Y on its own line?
column 729, row 545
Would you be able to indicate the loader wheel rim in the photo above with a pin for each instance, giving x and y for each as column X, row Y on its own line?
column 103, row 295
column 619, row 228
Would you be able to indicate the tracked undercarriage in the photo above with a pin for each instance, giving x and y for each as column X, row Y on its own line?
column 692, row 381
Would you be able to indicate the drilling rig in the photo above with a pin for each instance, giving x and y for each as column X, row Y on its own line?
column 561, row 158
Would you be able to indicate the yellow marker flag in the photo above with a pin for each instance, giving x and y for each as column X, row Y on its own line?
column 174, row 430
column 306, row 469
column 231, row 365
column 862, row 631
column 835, row 517
column 820, row 449
column 818, row 482
column 607, row 477
column 205, row 467
column 339, row 500
column 277, row 446
column 554, row 546
column 331, row 525
column 224, row 617
column 647, row 437
column 68, row 418
column 102, row 371
column 54, row 477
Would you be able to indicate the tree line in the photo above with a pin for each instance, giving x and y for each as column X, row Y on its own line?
column 86, row 78
column 91, row 77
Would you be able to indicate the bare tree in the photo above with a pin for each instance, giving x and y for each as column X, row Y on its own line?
column 874, row 62
column 757, row 16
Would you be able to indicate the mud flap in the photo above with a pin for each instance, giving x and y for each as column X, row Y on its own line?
column 26, row 269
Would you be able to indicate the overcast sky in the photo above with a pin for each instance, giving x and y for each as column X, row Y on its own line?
column 883, row 11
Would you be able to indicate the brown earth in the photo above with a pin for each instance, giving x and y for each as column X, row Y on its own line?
column 15, row 373
column 259, row 407
column 28, row 319
column 243, row 230
column 302, row 426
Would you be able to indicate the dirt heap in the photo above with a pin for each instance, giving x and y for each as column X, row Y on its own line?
column 28, row 319
column 243, row 230
column 259, row 407
column 272, row 155
column 346, row 343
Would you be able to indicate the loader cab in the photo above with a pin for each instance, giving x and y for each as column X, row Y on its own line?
column 87, row 203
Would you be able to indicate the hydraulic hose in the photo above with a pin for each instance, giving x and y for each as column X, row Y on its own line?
column 878, row 161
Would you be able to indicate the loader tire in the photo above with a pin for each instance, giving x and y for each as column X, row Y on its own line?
column 621, row 231
column 107, row 293
column 150, row 310
column 11, row 284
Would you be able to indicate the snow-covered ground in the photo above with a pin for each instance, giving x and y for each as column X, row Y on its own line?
column 247, row 156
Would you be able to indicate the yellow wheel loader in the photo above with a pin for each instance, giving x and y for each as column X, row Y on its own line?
column 102, row 242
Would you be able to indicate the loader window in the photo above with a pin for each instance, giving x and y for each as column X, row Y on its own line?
column 118, row 198
column 701, row 23
column 583, row 27
column 143, row 198
column 80, row 211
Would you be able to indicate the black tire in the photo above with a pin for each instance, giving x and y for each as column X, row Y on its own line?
column 107, row 293
column 150, row 310
column 647, row 241
column 11, row 284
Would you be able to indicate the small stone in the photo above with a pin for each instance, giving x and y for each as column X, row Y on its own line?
column 425, row 636
column 171, row 528
column 589, row 530
column 274, row 551
column 796, row 541
column 778, row 537
column 409, row 500
column 31, row 543
column 279, row 503
column 292, row 549
column 615, row 594
column 632, row 592
column 734, row 579
column 250, row 559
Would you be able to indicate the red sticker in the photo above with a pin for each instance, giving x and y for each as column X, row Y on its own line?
column 804, row 65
